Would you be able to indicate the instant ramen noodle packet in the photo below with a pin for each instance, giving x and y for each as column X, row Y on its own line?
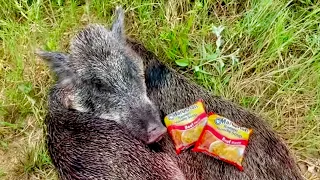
column 224, row 140
column 185, row 125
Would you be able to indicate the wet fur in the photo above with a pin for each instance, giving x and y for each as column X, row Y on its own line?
column 107, row 79
column 83, row 146
column 267, row 156
column 98, row 113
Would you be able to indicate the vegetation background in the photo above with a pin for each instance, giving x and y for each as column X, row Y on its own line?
column 261, row 54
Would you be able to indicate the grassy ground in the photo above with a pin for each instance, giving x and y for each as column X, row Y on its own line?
column 262, row 54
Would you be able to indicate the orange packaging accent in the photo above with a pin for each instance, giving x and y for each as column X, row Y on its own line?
column 185, row 125
column 224, row 140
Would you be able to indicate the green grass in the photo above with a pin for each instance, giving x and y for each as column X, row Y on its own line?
column 269, row 62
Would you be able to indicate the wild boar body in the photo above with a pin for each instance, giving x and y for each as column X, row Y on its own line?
column 266, row 158
column 83, row 146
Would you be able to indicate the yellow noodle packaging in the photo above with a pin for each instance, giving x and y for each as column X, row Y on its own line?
column 211, row 134
column 185, row 126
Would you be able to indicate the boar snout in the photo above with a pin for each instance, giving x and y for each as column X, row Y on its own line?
column 156, row 134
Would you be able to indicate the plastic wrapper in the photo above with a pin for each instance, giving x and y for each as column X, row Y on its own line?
column 186, row 125
column 223, row 139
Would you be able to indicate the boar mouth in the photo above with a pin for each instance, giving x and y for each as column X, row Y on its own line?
column 154, row 139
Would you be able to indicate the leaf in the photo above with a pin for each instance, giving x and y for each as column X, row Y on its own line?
column 212, row 56
column 198, row 5
column 204, row 72
column 2, row 173
column 4, row 144
column 51, row 45
column 6, row 124
column 25, row 88
column 219, row 42
column 221, row 63
column 234, row 59
column 196, row 68
column 183, row 44
column 227, row 79
column 164, row 36
column 31, row 100
column 182, row 62
column 218, row 52
column 60, row 2
column 217, row 30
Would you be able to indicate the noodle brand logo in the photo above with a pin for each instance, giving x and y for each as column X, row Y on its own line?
column 220, row 121
column 181, row 112
column 229, row 123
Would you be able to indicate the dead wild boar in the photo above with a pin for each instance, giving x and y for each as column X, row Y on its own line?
column 112, row 80
column 267, row 157
column 99, row 117
column 83, row 146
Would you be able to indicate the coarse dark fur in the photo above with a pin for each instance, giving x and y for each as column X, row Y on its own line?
column 267, row 157
column 83, row 146
column 82, row 143
column 108, row 80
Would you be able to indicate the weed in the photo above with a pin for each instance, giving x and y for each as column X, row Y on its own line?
column 2, row 173
column 35, row 160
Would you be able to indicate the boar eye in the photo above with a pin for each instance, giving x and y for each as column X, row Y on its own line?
column 97, row 83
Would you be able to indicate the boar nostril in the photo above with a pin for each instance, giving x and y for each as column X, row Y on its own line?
column 153, row 130
column 158, row 130
column 156, row 134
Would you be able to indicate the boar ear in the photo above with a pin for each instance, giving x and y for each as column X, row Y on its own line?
column 118, row 24
column 58, row 63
